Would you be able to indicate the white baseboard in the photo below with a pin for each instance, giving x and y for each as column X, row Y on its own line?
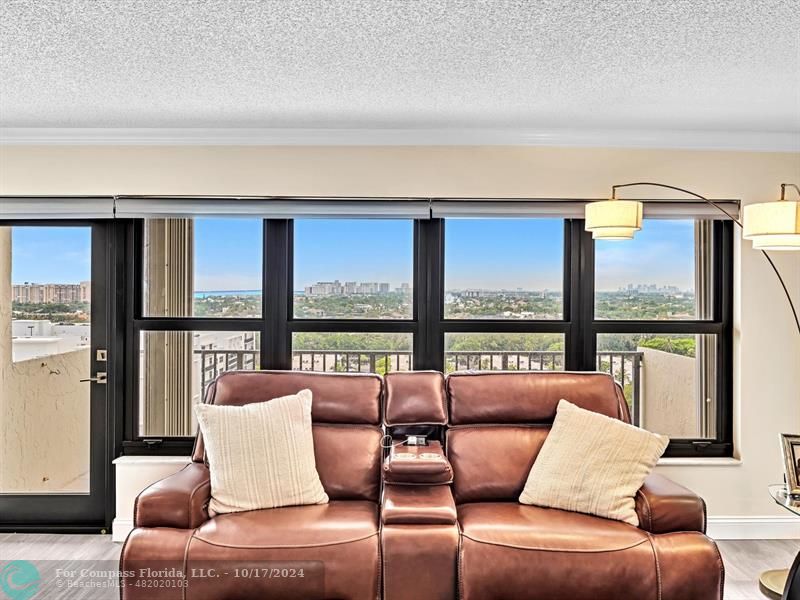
column 754, row 528
column 120, row 529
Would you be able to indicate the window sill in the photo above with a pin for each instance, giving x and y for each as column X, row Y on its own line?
column 709, row 461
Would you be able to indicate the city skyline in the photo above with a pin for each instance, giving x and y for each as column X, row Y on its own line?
column 634, row 287
column 662, row 254
column 479, row 254
column 353, row 250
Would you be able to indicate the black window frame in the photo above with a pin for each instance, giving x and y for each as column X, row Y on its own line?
column 427, row 325
column 567, row 325
column 720, row 325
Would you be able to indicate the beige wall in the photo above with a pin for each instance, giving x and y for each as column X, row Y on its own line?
column 767, row 360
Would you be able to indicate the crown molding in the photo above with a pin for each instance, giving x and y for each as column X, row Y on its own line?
column 607, row 138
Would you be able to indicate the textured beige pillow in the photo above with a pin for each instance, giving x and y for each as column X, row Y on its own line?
column 592, row 464
column 261, row 455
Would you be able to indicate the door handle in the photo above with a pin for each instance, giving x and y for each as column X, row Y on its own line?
column 101, row 377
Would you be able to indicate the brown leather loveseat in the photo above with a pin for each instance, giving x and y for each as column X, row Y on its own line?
column 453, row 531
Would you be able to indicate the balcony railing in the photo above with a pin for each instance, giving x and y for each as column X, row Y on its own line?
column 214, row 363
column 352, row 361
column 624, row 366
column 503, row 360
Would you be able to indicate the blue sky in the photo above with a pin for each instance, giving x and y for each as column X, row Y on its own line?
column 227, row 254
column 353, row 250
column 661, row 253
column 50, row 254
column 504, row 253
column 491, row 253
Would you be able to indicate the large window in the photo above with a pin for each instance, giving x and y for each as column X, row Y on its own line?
column 353, row 295
column 504, row 269
column 202, row 268
column 504, row 294
column 663, row 328
column 530, row 293
column 199, row 313
column 216, row 295
column 353, row 269
column 662, row 274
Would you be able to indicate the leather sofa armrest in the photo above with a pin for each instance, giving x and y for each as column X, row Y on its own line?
column 179, row 501
column 418, row 505
column 417, row 465
column 663, row 506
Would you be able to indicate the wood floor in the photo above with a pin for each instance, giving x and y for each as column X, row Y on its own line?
column 744, row 560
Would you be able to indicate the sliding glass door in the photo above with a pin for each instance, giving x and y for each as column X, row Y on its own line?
column 54, row 374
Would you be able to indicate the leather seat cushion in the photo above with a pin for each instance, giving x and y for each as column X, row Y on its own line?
column 337, row 522
column 336, row 546
column 510, row 550
column 534, row 528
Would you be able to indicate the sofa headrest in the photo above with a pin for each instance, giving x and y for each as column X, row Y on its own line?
column 415, row 397
column 353, row 398
column 529, row 397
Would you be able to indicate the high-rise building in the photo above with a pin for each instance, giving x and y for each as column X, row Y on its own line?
column 50, row 293
column 86, row 291
column 325, row 288
column 349, row 288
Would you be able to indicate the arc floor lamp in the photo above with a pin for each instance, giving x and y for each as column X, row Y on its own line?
column 769, row 225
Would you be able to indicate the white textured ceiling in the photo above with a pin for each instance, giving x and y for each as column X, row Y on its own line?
column 712, row 65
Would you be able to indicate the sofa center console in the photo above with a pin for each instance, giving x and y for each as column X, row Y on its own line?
column 417, row 465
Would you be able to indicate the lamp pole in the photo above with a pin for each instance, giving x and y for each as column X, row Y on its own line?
column 614, row 189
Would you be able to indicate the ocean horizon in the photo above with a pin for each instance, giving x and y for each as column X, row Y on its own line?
column 200, row 294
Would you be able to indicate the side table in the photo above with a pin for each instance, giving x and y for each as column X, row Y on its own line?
column 782, row 584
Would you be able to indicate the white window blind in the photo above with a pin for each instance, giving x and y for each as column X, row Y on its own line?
column 574, row 209
column 56, row 208
column 279, row 208
column 690, row 210
column 477, row 209
column 137, row 207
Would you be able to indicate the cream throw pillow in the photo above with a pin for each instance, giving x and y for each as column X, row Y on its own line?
column 592, row 464
column 261, row 455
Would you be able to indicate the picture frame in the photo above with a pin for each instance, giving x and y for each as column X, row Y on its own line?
column 790, row 445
